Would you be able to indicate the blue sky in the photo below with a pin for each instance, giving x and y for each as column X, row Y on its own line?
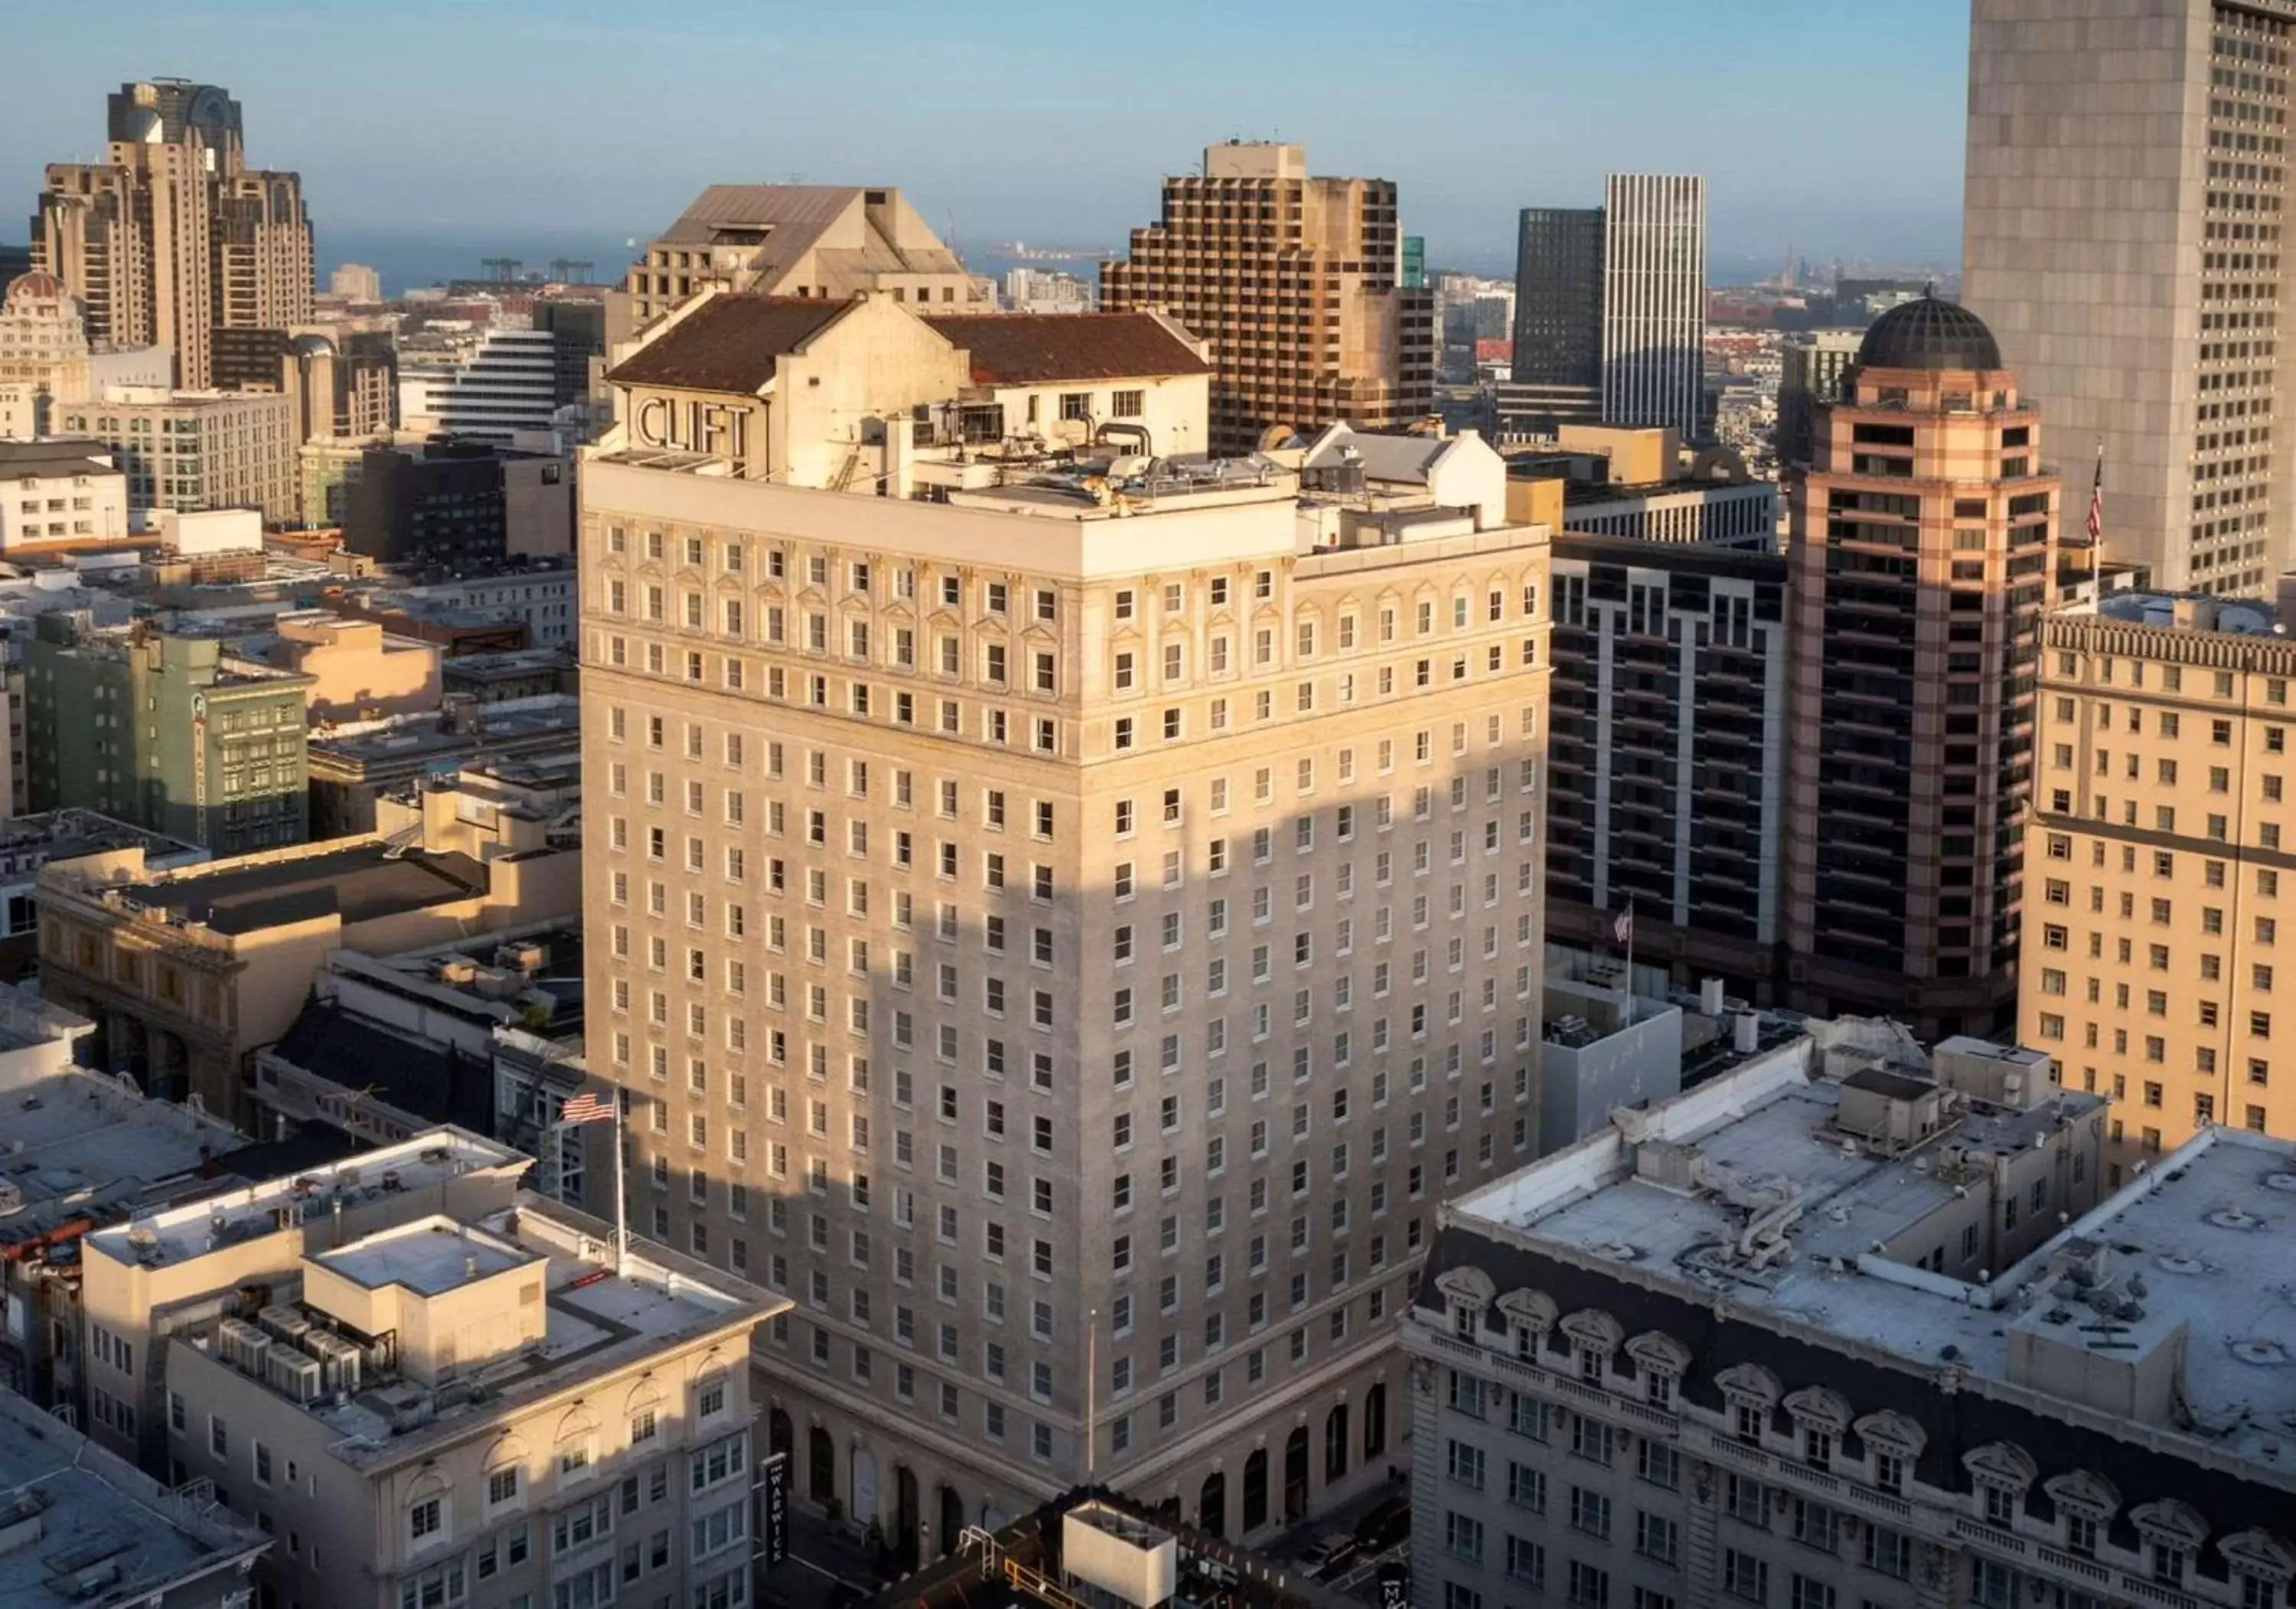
column 1835, row 123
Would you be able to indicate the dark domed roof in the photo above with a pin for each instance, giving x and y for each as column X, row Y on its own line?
column 312, row 346
column 1928, row 334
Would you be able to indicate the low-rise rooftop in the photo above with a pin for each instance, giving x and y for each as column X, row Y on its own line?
column 352, row 1338
column 27, row 843
column 1811, row 1201
column 83, row 1527
column 2188, row 611
column 359, row 881
column 176, row 1234
column 397, row 740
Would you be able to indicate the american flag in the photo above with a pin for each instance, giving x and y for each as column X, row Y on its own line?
column 588, row 1107
column 1623, row 929
column 2096, row 526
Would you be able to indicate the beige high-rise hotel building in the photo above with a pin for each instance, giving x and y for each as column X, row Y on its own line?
column 172, row 236
column 1923, row 556
column 2127, row 167
column 1297, row 283
column 2152, row 967
column 1065, row 923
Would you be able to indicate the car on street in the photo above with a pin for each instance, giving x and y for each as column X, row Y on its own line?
column 1384, row 1526
column 1327, row 1554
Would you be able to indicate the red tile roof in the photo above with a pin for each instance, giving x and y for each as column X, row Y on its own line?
column 1026, row 349
column 730, row 344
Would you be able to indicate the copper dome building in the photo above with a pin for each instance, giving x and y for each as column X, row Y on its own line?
column 1924, row 550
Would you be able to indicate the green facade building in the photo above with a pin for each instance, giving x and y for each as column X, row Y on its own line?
column 168, row 733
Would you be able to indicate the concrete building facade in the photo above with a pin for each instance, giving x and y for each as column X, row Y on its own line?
column 1092, row 927
column 1810, row 375
column 1556, row 370
column 166, row 731
column 1295, row 284
column 173, row 237
column 60, row 491
column 427, row 1385
column 2125, row 177
column 186, row 972
column 2155, row 840
column 1654, row 302
column 1924, row 552
column 1667, row 755
column 194, row 450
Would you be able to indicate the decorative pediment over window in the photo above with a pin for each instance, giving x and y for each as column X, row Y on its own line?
column 2002, row 1462
column 1658, row 1350
column 506, row 1450
column 1751, row 1382
column 1463, row 1286
column 1893, row 1432
column 2259, row 1553
column 1817, row 1405
column 2085, row 1492
column 1593, row 1328
column 1529, row 1309
column 2171, row 1520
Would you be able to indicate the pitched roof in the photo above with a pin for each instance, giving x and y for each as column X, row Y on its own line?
column 729, row 343
column 1023, row 349
column 1383, row 455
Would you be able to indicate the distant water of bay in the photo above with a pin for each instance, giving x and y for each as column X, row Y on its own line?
column 411, row 258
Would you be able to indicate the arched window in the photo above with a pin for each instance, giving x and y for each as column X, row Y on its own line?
column 2001, row 1472
column 505, row 1474
column 2086, row 1503
column 430, row 1511
column 1661, row 1361
column 1751, row 1392
column 1466, row 1293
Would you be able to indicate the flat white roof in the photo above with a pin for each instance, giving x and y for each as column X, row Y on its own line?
column 431, row 1256
column 597, row 1321
column 176, row 1234
column 2206, row 1233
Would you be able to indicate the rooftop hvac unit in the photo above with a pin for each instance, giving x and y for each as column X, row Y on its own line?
column 526, row 957
column 244, row 1346
column 340, row 1359
column 301, row 1377
column 286, row 1323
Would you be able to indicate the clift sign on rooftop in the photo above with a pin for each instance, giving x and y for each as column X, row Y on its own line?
column 694, row 425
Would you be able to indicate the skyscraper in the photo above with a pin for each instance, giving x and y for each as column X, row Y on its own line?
column 1924, row 549
column 173, row 237
column 1557, row 366
column 1074, row 942
column 1654, row 302
column 2121, row 228
column 1296, row 283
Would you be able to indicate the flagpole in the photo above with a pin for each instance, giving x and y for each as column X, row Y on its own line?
column 1630, row 962
column 621, row 1198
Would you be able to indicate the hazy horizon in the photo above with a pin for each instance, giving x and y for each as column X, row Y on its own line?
column 518, row 120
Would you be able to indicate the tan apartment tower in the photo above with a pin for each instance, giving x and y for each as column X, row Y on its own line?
column 2127, row 172
column 172, row 236
column 2157, row 845
column 1922, row 555
column 1296, row 282
column 1067, row 931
